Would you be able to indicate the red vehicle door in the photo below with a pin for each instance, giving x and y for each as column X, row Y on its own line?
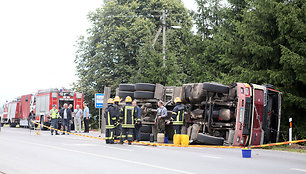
column 257, row 114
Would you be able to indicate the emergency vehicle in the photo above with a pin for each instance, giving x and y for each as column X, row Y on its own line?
column 38, row 104
column 45, row 99
column 11, row 114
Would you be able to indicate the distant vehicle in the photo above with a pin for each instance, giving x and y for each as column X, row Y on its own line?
column 46, row 98
column 240, row 114
column 11, row 114
column 36, row 107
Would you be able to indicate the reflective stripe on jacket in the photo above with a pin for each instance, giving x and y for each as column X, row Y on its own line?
column 110, row 117
column 54, row 114
column 178, row 114
column 128, row 112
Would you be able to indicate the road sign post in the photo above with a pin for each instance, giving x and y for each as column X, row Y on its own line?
column 290, row 130
column 99, row 104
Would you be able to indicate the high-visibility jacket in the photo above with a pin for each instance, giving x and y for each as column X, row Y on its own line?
column 110, row 117
column 54, row 114
column 128, row 116
column 178, row 114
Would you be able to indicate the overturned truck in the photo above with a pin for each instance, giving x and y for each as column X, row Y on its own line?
column 240, row 114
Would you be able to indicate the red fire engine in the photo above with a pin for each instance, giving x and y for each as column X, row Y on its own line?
column 46, row 98
column 18, row 112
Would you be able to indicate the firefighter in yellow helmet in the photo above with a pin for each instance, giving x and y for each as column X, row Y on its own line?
column 110, row 120
column 178, row 115
column 128, row 121
column 117, row 130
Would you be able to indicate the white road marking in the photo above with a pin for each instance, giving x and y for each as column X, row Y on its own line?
column 210, row 156
column 301, row 170
column 80, row 144
column 110, row 157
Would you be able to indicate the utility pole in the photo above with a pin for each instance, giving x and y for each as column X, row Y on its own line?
column 164, row 38
column 107, row 93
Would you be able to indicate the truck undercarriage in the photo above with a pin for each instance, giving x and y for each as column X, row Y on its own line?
column 239, row 114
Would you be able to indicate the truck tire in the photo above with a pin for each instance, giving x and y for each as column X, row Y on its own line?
column 215, row 87
column 30, row 124
column 144, row 95
column 126, row 87
column 209, row 140
column 145, row 87
column 12, row 124
column 124, row 94
column 144, row 136
column 145, row 129
column 186, row 92
column 197, row 93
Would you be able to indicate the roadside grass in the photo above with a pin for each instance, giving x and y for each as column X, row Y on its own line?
column 293, row 148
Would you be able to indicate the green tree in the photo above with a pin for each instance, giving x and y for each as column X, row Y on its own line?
column 260, row 42
column 119, row 49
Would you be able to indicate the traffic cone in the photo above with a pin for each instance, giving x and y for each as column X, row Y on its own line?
column 38, row 130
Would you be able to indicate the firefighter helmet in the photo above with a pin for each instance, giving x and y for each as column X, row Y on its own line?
column 117, row 99
column 177, row 100
column 110, row 101
column 128, row 99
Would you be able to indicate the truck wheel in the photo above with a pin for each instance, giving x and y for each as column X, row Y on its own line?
column 145, row 87
column 146, row 129
column 126, row 87
column 42, row 124
column 124, row 94
column 188, row 92
column 186, row 89
column 215, row 87
column 209, row 140
column 144, row 136
column 144, row 94
column 12, row 125
column 197, row 93
column 30, row 124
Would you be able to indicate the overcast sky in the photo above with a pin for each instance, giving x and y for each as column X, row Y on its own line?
column 37, row 39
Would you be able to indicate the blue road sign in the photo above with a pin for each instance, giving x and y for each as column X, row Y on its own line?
column 99, row 98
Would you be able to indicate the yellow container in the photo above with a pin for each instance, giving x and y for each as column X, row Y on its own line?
column 184, row 140
column 177, row 139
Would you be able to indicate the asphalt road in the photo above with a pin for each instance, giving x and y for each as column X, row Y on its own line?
column 22, row 151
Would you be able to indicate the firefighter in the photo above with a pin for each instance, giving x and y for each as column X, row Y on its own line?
column 54, row 119
column 128, row 121
column 178, row 115
column 137, row 121
column 110, row 119
column 117, row 130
